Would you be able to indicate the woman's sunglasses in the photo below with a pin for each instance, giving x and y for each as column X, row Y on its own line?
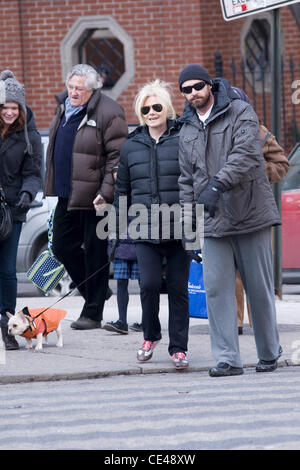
column 197, row 86
column 156, row 107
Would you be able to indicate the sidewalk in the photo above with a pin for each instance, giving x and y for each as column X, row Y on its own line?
column 99, row 353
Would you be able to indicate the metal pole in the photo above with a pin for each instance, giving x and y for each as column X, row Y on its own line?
column 276, row 130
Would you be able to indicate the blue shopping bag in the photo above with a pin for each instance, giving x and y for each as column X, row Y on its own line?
column 197, row 295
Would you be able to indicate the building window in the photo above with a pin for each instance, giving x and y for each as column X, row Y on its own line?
column 105, row 53
column 255, row 51
column 102, row 43
column 257, row 47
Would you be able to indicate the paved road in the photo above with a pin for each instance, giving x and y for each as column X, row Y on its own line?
column 164, row 411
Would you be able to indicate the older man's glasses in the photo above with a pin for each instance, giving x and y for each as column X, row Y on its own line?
column 197, row 86
column 156, row 107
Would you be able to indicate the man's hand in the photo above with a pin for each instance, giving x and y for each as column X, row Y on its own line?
column 211, row 195
column 24, row 201
column 99, row 202
column 195, row 255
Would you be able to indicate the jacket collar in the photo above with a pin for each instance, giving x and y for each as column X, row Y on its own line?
column 141, row 133
column 92, row 104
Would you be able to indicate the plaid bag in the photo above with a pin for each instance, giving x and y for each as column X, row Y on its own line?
column 46, row 271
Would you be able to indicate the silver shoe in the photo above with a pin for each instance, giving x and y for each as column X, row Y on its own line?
column 146, row 351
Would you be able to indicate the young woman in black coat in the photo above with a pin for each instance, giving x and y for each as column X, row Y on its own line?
column 148, row 176
column 20, row 163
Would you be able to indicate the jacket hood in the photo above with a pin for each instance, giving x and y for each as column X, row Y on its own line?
column 60, row 97
column 31, row 125
column 233, row 92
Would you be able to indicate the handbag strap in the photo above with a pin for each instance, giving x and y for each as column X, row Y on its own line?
column 50, row 231
column 2, row 195
column 268, row 134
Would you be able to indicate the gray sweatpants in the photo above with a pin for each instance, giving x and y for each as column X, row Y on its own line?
column 251, row 254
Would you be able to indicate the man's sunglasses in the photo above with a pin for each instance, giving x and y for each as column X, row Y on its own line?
column 197, row 86
column 156, row 107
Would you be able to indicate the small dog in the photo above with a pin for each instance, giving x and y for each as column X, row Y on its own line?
column 25, row 324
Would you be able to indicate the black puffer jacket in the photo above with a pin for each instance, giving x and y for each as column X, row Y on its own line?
column 148, row 174
column 20, row 171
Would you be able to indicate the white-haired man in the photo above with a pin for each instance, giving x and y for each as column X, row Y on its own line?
column 85, row 139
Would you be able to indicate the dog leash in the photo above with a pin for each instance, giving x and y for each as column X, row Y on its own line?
column 25, row 310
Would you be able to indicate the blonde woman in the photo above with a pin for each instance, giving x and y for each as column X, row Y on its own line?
column 148, row 175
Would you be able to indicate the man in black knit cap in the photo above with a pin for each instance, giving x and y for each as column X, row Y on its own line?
column 222, row 167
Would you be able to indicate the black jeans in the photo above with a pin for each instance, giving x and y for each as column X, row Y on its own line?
column 77, row 246
column 8, row 277
column 150, row 257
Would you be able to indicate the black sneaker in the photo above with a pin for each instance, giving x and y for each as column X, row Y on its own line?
column 223, row 369
column 117, row 327
column 136, row 327
column 268, row 366
column 85, row 323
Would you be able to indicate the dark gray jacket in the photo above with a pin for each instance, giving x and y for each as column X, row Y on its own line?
column 228, row 146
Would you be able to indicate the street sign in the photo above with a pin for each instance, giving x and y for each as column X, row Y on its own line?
column 234, row 9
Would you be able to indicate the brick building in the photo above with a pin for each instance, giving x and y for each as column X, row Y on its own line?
column 136, row 41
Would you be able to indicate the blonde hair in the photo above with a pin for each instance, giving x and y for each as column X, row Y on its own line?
column 155, row 88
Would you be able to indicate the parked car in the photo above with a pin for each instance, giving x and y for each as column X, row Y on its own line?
column 290, row 209
column 34, row 235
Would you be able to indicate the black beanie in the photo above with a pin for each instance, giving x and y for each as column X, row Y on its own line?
column 194, row 72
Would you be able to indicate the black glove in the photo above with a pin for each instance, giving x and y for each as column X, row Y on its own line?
column 114, row 243
column 195, row 255
column 211, row 195
column 24, row 201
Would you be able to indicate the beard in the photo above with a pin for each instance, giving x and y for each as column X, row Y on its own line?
column 200, row 102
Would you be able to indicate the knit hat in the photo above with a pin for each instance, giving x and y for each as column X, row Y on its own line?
column 13, row 91
column 194, row 72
